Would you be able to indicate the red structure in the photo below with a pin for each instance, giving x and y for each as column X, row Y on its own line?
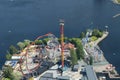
column 62, row 41
column 26, row 56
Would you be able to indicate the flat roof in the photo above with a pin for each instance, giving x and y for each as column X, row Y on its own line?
column 42, row 78
column 90, row 73
column 48, row 75
column 11, row 63
column 63, row 77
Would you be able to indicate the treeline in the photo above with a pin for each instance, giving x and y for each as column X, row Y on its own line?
column 77, row 54
column 21, row 45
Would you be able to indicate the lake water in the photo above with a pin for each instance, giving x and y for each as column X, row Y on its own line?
column 27, row 19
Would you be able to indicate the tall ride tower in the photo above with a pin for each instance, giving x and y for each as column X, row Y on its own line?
column 62, row 41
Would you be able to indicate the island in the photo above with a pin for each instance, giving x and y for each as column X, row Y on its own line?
column 61, row 58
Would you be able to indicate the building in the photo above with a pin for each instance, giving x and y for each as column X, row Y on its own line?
column 88, row 73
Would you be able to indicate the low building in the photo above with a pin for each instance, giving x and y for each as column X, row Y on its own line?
column 63, row 78
column 47, row 76
column 89, row 73
column 11, row 63
column 75, row 68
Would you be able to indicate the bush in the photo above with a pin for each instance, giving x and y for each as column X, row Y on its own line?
column 93, row 38
column 97, row 33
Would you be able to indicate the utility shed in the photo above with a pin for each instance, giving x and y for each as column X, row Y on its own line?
column 90, row 73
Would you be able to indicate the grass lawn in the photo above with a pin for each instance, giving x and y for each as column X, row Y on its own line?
column 118, row 1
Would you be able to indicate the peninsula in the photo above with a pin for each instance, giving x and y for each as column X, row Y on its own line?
column 61, row 58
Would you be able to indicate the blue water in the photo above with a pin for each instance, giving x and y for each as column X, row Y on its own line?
column 27, row 19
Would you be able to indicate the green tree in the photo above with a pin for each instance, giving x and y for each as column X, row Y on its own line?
column 93, row 38
column 78, row 44
column 97, row 33
column 82, row 35
column 45, row 40
column 8, row 56
column 91, row 60
column 38, row 42
column 21, row 45
column 12, row 50
column 26, row 42
column 16, row 75
column 80, row 52
column 73, row 57
column 5, row 79
column 7, row 72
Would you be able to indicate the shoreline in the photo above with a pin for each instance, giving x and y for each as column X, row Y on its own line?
column 104, row 64
column 105, row 34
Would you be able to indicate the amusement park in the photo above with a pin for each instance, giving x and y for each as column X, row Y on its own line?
column 57, row 59
column 34, row 59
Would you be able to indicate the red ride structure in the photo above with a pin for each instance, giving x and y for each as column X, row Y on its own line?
column 26, row 56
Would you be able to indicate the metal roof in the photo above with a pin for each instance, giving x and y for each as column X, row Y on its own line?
column 90, row 73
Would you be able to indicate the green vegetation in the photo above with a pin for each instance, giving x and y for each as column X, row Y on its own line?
column 98, row 33
column 118, row 1
column 27, row 42
column 21, row 45
column 78, row 44
column 82, row 35
column 7, row 72
column 91, row 60
column 73, row 57
column 38, row 42
column 9, row 75
column 12, row 50
column 5, row 79
column 45, row 40
column 93, row 38
column 8, row 56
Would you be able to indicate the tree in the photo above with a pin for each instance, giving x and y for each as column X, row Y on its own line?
column 5, row 79
column 78, row 44
column 82, row 35
column 7, row 72
column 80, row 52
column 21, row 45
column 91, row 60
column 26, row 42
column 16, row 75
column 45, row 40
column 73, row 57
column 38, row 42
column 97, row 33
column 8, row 56
column 93, row 38
column 12, row 50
